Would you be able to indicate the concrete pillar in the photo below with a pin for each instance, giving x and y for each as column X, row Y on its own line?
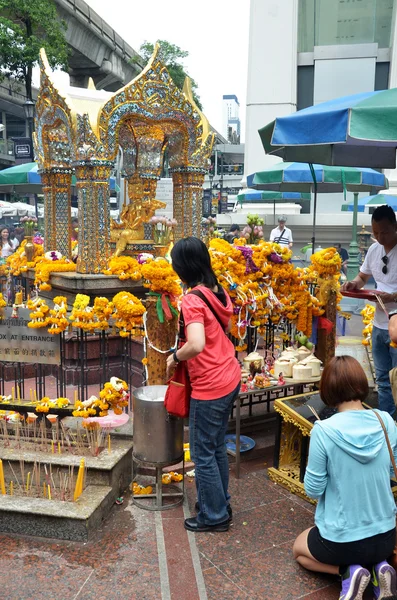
column 272, row 73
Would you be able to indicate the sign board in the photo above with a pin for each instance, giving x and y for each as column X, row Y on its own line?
column 165, row 193
column 23, row 147
column 20, row 343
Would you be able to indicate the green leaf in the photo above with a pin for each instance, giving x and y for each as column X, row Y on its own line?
column 25, row 27
column 171, row 55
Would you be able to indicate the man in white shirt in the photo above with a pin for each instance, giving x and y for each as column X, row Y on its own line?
column 281, row 234
column 381, row 263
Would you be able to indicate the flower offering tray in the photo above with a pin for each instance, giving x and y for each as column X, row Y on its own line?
column 360, row 294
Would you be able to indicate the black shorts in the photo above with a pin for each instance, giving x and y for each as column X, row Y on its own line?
column 367, row 552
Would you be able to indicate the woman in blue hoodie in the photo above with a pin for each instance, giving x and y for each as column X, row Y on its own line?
column 348, row 472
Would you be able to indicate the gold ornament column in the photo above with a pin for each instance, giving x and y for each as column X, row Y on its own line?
column 178, row 203
column 190, row 206
column 57, row 188
column 162, row 336
column 94, row 215
column 49, row 213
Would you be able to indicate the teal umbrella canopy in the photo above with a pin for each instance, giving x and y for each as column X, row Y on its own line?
column 25, row 179
column 377, row 200
column 359, row 130
column 263, row 197
column 302, row 177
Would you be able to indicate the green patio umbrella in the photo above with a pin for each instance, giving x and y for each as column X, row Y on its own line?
column 359, row 130
column 263, row 197
column 304, row 177
column 25, row 179
column 376, row 200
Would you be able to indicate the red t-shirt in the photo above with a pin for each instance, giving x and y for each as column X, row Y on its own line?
column 215, row 372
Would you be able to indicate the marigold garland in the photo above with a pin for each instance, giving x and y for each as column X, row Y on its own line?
column 125, row 267
column 57, row 320
column 128, row 314
column 114, row 395
column 17, row 263
column 161, row 278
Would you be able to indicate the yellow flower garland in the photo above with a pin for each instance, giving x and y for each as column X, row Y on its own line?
column 125, row 267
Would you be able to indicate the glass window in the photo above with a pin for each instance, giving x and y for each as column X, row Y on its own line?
column 306, row 25
column 335, row 22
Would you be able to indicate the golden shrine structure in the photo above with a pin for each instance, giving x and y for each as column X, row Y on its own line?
column 81, row 135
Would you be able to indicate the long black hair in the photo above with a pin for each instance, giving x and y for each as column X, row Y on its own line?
column 191, row 261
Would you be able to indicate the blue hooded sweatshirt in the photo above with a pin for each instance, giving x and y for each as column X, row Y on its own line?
column 349, row 472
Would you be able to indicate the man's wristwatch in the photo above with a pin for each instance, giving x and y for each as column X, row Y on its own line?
column 176, row 359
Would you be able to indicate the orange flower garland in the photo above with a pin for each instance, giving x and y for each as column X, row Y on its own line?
column 125, row 267
column 160, row 277
column 128, row 314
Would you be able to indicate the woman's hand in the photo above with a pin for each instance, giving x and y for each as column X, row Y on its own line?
column 171, row 364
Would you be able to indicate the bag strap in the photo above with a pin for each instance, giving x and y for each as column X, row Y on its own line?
column 279, row 237
column 204, row 299
column 393, row 462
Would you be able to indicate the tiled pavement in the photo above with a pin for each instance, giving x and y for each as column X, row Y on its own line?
column 140, row 555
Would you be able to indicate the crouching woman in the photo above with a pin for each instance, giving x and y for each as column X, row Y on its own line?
column 348, row 472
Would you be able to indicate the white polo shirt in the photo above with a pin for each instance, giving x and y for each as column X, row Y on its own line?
column 373, row 265
column 281, row 236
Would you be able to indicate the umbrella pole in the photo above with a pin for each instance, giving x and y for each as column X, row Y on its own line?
column 353, row 266
column 314, row 206
column 274, row 213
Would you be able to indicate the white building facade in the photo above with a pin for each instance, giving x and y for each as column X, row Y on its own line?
column 302, row 52
column 231, row 118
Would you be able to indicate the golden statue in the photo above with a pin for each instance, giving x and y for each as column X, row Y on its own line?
column 134, row 215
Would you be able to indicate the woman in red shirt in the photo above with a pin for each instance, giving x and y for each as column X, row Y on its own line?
column 215, row 377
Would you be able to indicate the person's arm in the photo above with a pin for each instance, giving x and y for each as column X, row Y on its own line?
column 316, row 476
column 194, row 345
column 272, row 235
column 357, row 283
column 393, row 326
column 291, row 241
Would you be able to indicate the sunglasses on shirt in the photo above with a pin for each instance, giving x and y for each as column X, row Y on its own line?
column 385, row 260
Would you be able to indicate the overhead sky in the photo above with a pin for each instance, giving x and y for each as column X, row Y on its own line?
column 214, row 32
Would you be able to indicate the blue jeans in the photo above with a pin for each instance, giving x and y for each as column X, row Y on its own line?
column 208, row 421
column 385, row 359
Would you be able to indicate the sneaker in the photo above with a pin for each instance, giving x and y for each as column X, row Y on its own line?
column 354, row 582
column 384, row 582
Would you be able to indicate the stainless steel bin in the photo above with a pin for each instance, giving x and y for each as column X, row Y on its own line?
column 158, row 437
